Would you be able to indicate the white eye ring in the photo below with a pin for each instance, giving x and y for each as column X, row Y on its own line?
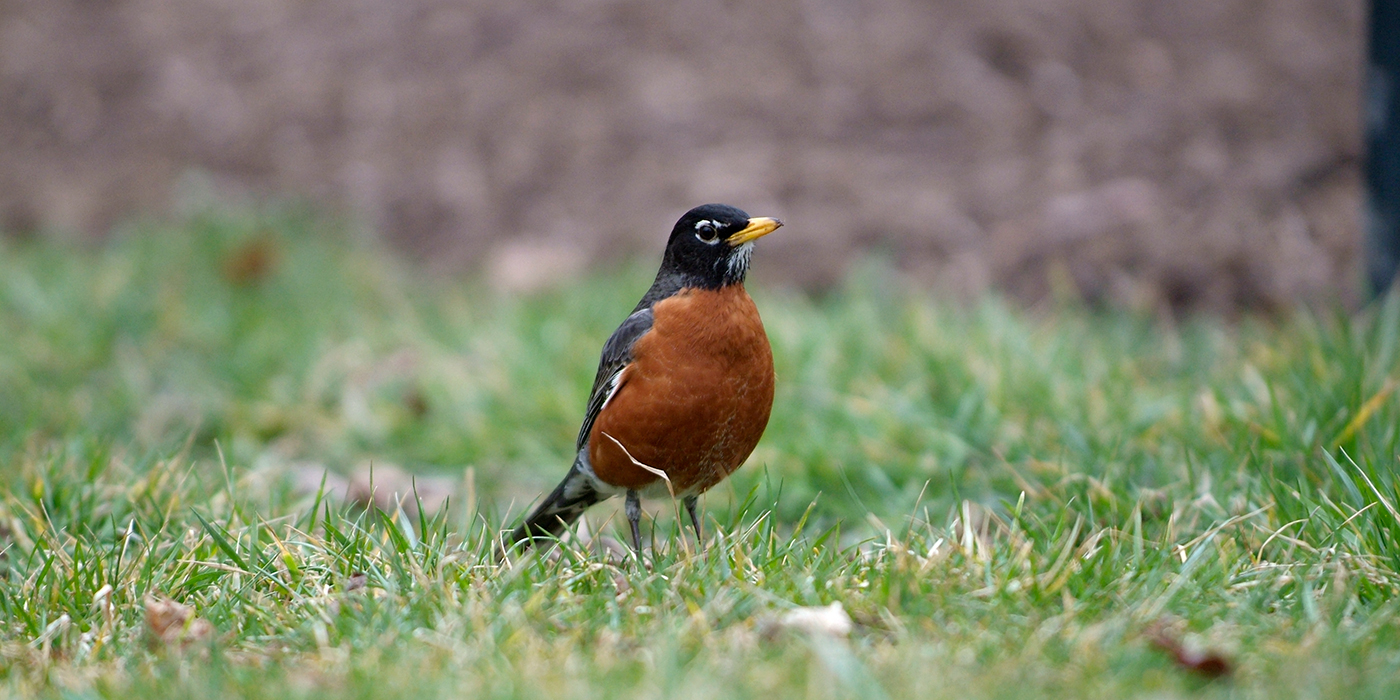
column 707, row 232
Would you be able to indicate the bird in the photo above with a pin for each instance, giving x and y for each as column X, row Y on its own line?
column 684, row 386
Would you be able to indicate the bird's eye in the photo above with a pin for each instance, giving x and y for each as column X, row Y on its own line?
column 706, row 232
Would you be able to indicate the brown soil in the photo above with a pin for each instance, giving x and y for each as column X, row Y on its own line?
column 1145, row 152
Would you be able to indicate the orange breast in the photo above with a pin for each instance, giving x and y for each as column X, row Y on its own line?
column 695, row 399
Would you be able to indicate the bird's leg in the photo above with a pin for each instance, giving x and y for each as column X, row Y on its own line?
column 690, row 503
column 634, row 518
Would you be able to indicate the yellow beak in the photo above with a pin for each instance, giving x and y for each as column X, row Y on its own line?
column 758, row 227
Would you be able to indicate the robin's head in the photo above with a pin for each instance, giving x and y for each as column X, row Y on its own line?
column 711, row 245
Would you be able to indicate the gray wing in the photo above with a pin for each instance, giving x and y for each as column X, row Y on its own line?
column 617, row 354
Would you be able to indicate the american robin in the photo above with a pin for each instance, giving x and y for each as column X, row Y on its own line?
column 684, row 386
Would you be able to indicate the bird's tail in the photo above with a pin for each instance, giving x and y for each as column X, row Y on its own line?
column 557, row 511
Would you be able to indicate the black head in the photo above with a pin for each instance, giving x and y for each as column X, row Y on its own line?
column 710, row 246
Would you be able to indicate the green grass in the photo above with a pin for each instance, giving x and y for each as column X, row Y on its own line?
column 1005, row 501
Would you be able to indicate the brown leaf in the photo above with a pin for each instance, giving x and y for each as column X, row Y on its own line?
column 415, row 402
column 356, row 582
column 174, row 623
column 251, row 262
column 1205, row 662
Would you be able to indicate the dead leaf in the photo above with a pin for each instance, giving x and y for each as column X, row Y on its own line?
column 174, row 623
column 415, row 402
column 251, row 262
column 356, row 582
column 1204, row 662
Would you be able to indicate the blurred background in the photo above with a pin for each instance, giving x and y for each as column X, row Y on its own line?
column 1148, row 153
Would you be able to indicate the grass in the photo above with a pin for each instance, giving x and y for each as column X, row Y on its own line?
column 1007, row 503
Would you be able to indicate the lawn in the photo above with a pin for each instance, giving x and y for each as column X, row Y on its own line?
column 1005, row 502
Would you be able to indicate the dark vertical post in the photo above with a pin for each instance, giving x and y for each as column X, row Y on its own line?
column 1383, row 146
